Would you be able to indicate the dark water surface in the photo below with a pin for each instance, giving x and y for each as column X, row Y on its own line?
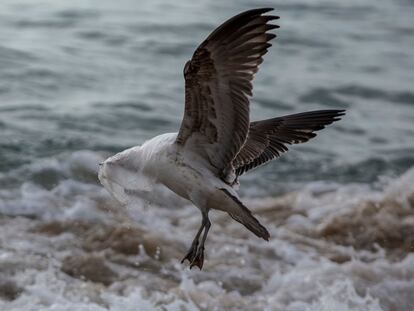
column 104, row 75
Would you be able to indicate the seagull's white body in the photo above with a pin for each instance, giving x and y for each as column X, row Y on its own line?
column 216, row 142
column 159, row 160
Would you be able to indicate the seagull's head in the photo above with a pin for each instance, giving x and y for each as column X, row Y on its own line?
column 122, row 173
column 113, row 170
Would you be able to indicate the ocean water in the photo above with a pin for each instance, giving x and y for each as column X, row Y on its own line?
column 81, row 80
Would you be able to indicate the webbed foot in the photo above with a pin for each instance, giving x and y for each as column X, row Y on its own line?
column 198, row 259
column 191, row 254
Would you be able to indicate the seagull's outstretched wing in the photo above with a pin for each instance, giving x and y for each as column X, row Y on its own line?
column 218, row 83
column 267, row 139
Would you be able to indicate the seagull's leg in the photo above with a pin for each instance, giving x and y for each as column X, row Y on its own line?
column 199, row 255
column 194, row 245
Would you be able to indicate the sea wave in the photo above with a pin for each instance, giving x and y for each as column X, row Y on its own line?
column 65, row 245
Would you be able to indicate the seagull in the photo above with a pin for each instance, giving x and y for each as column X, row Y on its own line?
column 216, row 142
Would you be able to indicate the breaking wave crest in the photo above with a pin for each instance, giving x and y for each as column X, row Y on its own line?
column 67, row 245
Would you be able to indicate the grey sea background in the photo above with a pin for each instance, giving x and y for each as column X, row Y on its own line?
column 81, row 80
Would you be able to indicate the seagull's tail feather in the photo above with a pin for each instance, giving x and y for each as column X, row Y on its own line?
column 243, row 215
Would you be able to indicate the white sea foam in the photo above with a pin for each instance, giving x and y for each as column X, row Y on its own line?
column 307, row 265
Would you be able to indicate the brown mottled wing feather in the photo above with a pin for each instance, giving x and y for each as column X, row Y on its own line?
column 267, row 139
column 218, row 83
